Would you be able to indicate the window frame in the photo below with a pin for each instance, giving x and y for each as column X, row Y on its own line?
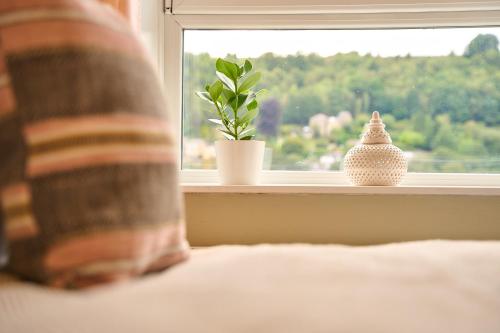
column 169, row 60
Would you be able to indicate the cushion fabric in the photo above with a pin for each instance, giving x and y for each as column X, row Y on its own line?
column 3, row 245
column 88, row 179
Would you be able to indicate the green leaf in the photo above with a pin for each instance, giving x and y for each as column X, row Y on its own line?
column 229, row 137
column 227, row 68
column 248, row 132
column 215, row 90
column 241, row 100
column 204, row 96
column 241, row 70
column 228, row 94
column 249, row 82
column 252, row 105
column 250, row 98
column 232, row 102
column 248, row 137
column 216, row 121
column 247, row 66
column 225, row 80
column 227, row 134
column 262, row 91
column 250, row 115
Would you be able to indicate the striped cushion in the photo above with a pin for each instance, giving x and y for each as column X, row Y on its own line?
column 88, row 178
column 3, row 245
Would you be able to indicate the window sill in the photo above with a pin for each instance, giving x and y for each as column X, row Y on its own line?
column 341, row 189
column 301, row 182
column 291, row 182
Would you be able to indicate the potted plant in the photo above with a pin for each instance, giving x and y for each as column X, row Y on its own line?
column 239, row 157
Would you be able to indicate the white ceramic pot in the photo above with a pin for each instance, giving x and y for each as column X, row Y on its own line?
column 239, row 161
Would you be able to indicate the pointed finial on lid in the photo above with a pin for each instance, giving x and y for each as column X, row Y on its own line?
column 376, row 120
column 376, row 133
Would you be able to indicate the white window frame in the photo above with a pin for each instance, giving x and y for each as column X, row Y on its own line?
column 169, row 60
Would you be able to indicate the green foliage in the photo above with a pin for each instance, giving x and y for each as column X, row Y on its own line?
column 471, row 147
column 294, row 146
column 482, row 44
column 233, row 100
column 291, row 154
column 445, row 136
column 301, row 106
column 411, row 140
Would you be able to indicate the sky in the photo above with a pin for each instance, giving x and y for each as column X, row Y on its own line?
column 385, row 43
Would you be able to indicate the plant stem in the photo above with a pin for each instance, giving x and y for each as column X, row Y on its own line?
column 220, row 115
column 236, row 110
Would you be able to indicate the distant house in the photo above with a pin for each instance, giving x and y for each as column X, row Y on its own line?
column 344, row 118
column 319, row 124
column 323, row 125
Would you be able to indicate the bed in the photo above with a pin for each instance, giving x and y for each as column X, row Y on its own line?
column 427, row 286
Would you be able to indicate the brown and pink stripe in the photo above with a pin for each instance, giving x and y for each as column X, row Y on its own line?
column 17, row 211
column 7, row 101
column 21, row 5
column 53, row 34
column 106, row 255
column 58, row 145
column 113, row 246
column 31, row 25
column 69, row 11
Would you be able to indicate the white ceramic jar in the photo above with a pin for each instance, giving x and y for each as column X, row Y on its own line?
column 376, row 161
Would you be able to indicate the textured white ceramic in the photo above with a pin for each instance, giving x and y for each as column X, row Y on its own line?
column 376, row 161
column 239, row 162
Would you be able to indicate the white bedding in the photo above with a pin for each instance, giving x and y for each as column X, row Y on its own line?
column 433, row 286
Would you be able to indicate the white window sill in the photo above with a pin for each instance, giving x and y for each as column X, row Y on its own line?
column 342, row 189
column 290, row 182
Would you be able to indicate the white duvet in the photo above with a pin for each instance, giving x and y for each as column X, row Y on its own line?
column 432, row 286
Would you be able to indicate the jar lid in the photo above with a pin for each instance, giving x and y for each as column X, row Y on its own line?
column 376, row 133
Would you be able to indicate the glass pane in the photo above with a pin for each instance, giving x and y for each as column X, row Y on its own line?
column 438, row 91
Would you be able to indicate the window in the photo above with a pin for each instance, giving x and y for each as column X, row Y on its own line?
column 172, row 27
column 438, row 90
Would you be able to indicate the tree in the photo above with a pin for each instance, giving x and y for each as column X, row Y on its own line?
column 481, row 44
column 294, row 146
column 269, row 117
column 413, row 102
column 450, row 98
column 411, row 140
column 301, row 106
column 445, row 137
column 425, row 125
